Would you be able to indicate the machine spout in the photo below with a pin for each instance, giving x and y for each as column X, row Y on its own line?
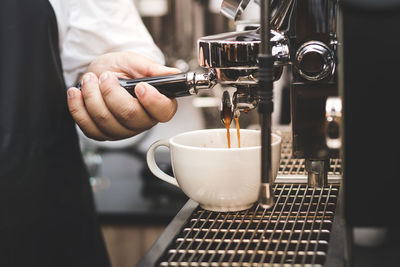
column 226, row 109
column 317, row 171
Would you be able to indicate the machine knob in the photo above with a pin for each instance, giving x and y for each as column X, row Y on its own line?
column 315, row 61
column 333, row 115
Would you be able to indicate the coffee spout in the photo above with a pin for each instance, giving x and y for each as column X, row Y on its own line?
column 226, row 109
column 244, row 99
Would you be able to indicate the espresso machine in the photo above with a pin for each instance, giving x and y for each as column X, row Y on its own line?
column 340, row 96
column 301, row 34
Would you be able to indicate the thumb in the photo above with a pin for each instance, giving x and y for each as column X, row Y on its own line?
column 138, row 66
column 158, row 70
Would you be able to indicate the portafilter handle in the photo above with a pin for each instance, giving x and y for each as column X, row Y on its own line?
column 174, row 85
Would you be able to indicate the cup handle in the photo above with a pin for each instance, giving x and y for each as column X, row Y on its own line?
column 151, row 162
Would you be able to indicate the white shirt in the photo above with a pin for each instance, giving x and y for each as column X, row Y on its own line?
column 90, row 28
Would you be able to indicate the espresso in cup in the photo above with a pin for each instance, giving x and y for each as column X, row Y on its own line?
column 217, row 177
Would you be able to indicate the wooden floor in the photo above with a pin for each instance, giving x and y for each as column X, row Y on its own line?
column 126, row 245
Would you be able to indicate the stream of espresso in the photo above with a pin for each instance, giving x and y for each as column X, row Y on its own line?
column 228, row 134
column 238, row 130
column 226, row 117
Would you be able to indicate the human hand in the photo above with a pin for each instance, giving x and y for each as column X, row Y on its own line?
column 106, row 111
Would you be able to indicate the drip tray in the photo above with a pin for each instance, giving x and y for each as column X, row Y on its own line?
column 295, row 231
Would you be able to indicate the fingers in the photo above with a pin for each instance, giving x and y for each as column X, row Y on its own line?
column 98, row 111
column 106, row 111
column 125, row 108
column 81, row 116
column 160, row 107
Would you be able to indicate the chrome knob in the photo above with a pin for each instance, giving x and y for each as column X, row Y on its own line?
column 315, row 61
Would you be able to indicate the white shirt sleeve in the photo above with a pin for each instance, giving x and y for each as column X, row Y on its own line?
column 90, row 28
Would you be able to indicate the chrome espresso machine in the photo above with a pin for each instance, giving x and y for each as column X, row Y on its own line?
column 333, row 202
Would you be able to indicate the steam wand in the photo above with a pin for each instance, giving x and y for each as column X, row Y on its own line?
column 265, row 107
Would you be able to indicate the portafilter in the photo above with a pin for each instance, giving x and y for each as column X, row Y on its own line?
column 230, row 59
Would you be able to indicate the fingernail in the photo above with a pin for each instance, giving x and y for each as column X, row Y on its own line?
column 104, row 76
column 140, row 89
column 70, row 93
column 86, row 78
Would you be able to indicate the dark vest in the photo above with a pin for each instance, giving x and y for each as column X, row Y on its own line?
column 47, row 215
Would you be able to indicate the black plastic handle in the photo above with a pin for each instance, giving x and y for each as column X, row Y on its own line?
column 174, row 85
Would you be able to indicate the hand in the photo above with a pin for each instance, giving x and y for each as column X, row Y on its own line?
column 106, row 111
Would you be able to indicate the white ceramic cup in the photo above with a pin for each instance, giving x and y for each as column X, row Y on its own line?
column 217, row 177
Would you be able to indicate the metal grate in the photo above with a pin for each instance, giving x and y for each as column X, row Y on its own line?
column 295, row 168
column 295, row 231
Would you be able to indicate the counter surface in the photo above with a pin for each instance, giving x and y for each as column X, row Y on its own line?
column 125, row 191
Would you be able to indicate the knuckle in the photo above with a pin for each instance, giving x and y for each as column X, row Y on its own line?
column 82, row 122
column 128, row 113
column 87, row 93
column 148, row 70
column 101, row 117
column 74, row 110
column 106, row 88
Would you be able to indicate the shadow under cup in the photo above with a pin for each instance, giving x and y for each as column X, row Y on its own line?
column 217, row 177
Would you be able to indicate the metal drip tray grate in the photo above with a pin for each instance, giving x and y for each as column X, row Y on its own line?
column 295, row 168
column 295, row 231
